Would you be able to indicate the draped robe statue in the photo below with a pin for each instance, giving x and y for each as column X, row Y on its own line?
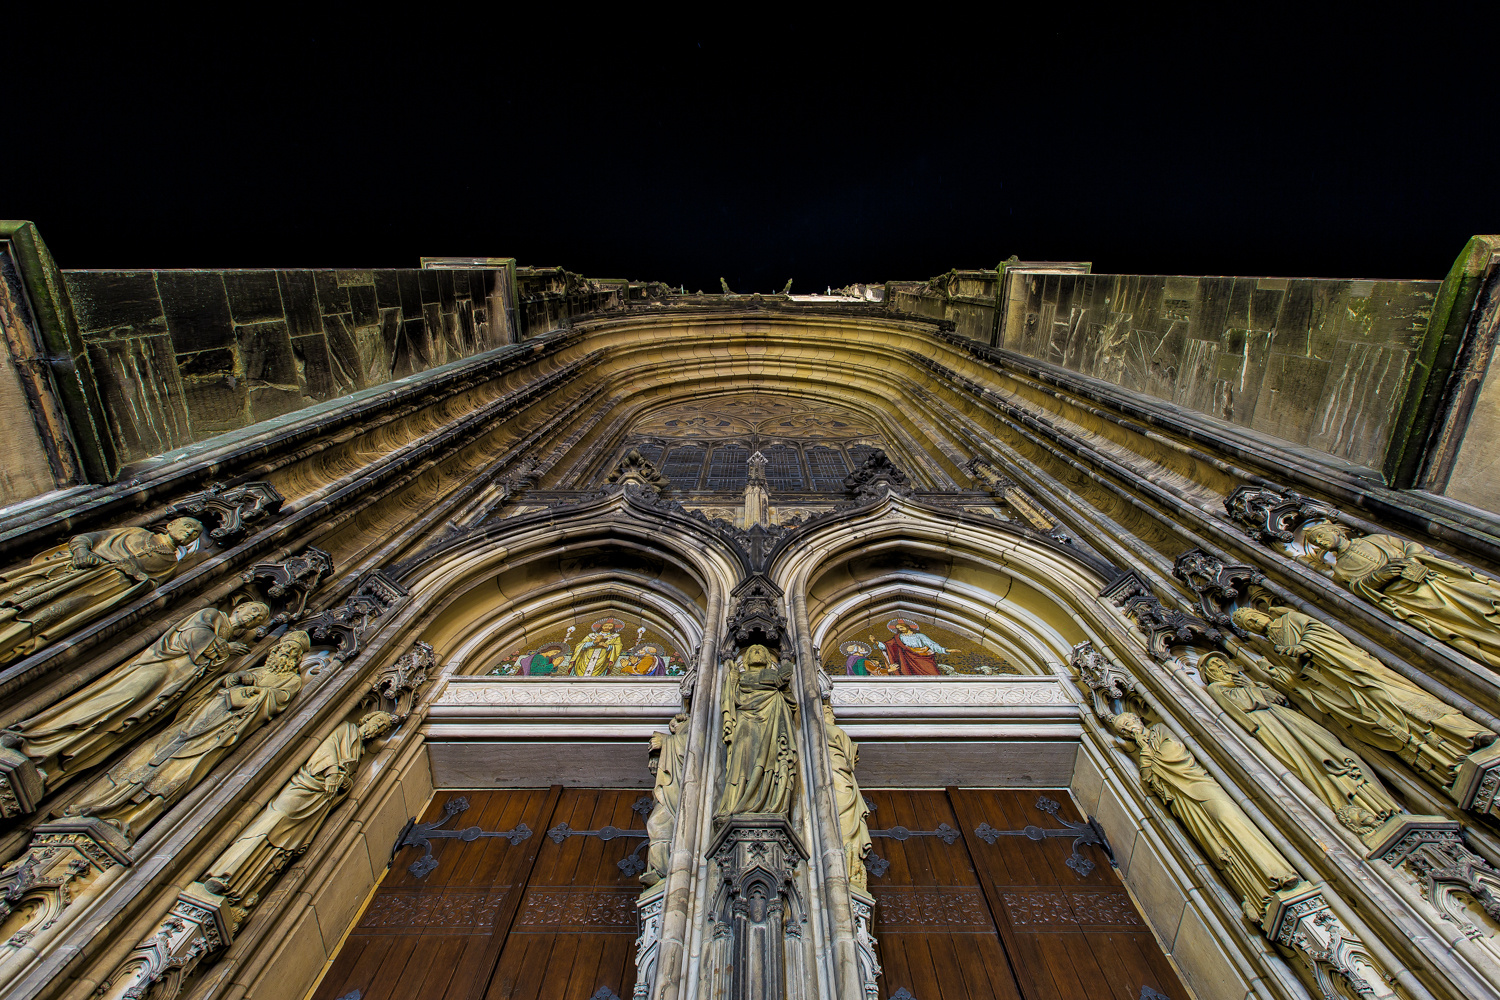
column 1360, row 694
column 67, row 586
column 760, row 770
column 137, row 791
column 1449, row 602
column 666, row 794
column 96, row 720
column 1329, row 769
column 288, row 824
column 1232, row 842
column 853, row 830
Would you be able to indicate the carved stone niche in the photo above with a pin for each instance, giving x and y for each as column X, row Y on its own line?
column 1220, row 586
column 757, row 617
column 64, row 859
column 347, row 625
column 1433, row 851
column 1271, row 514
column 287, row 584
column 232, row 509
column 1165, row 628
column 756, row 856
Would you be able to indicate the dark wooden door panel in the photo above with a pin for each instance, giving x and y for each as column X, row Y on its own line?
column 576, row 926
column 936, row 935
column 1072, row 930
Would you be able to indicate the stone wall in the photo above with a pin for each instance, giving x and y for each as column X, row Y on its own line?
column 184, row 355
column 1323, row 363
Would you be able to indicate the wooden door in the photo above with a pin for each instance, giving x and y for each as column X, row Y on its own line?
column 500, row 909
column 975, row 905
column 937, row 938
column 1072, row 929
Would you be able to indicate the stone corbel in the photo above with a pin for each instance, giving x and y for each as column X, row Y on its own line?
column 196, row 926
column 233, row 509
column 1433, row 851
column 1338, row 963
column 1477, row 786
column 650, row 906
column 863, row 907
column 1270, row 514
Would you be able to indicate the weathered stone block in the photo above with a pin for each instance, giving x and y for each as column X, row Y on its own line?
column 105, row 300
column 254, row 296
column 197, row 309
column 299, row 296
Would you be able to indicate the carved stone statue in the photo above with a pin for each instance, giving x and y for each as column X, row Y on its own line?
column 1359, row 693
column 668, row 749
column 760, row 771
column 853, row 830
column 288, row 824
column 69, row 585
column 136, row 791
column 1240, row 851
column 1449, row 602
column 1328, row 768
column 95, row 721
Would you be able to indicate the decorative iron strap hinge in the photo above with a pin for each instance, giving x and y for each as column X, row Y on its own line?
column 878, row 866
column 1083, row 834
column 630, row 864
column 423, row 834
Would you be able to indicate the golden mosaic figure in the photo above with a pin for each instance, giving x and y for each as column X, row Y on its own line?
column 69, row 585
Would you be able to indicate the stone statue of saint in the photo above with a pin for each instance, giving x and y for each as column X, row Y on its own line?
column 69, row 585
column 853, row 830
column 1376, row 705
column 135, row 792
column 669, row 749
column 1332, row 771
column 760, row 770
column 96, row 720
column 1237, row 849
column 1449, row 602
column 286, row 826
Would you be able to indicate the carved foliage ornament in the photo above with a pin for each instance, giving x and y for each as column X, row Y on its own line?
column 233, row 509
column 289, row 582
column 867, row 482
column 1272, row 514
column 347, row 625
column 635, row 468
column 1219, row 585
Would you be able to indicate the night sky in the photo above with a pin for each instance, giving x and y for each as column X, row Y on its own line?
column 1268, row 140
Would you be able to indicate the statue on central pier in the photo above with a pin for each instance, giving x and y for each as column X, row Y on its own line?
column 760, row 770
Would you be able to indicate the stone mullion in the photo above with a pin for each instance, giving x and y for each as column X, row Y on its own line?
column 1454, row 665
column 1293, row 827
column 831, row 879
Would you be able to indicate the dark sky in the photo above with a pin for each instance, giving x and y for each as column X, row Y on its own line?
column 1360, row 142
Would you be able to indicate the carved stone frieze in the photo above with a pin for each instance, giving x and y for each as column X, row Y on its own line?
column 231, row 510
column 1219, row 585
column 1273, row 515
column 1477, row 785
column 287, row 583
column 347, row 625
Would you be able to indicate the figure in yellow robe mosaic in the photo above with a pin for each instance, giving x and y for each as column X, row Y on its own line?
column 69, row 585
column 760, row 767
column 599, row 650
column 137, row 791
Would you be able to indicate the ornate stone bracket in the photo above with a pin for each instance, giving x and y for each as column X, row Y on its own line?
column 65, row 858
column 757, row 617
column 1300, row 920
column 234, row 509
column 650, row 908
column 347, row 625
column 397, row 688
column 288, row 583
column 1219, row 585
column 196, row 926
column 1109, row 684
column 1432, row 849
column 863, row 908
column 756, row 856
column 1271, row 514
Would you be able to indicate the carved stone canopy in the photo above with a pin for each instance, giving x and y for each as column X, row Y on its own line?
column 288, row 583
column 345, row 626
column 231, row 509
column 757, row 619
column 1219, row 585
column 1271, row 514
column 1165, row 628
